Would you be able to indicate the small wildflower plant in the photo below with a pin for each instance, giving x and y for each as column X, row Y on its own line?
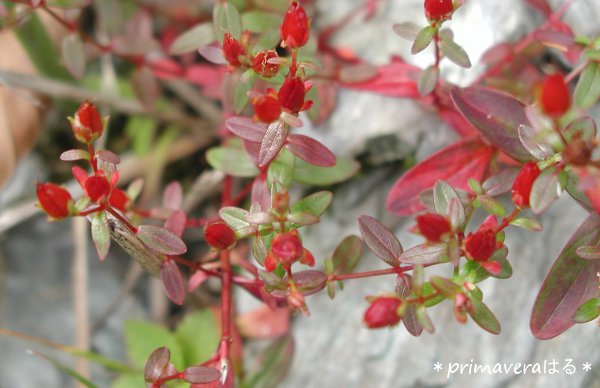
column 528, row 146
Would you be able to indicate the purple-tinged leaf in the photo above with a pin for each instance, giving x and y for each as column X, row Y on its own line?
column 196, row 280
column 381, row 241
column 422, row 40
column 589, row 252
column 272, row 142
column 246, row 128
column 213, row 54
column 455, row 164
column 172, row 281
column 425, row 254
column 73, row 55
column 145, row 86
column 74, row 154
column 545, row 190
column 409, row 320
column 346, row 255
column 108, row 156
column 101, row 234
column 555, row 39
column 587, row 311
column 308, row 282
column 496, row 115
column 173, row 196
column 201, row 375
column 570, row 282
column 501, row 183
column 176, row 222
column 310, row 150
column 482, row 315
column 157, row 364
column 161, row 240
column 537, row 146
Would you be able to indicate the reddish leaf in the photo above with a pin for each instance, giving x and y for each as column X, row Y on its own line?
column 398, row 79
column 108, row 156
column 264, row 322
column 173, row 196
column 172, row 281
column 176, row 222
column 425, row 254
column 157, row 364
column 308, row 282
column 457, row 122
column 272, row 142
column 196, row 280
column 381, row 241
column 570, row 282
column 310, row 150
column 246, row 128
column 74, row 154
column 409, row 320
column 201, row 375
column 496, row 115
column 455, row 164
column 208, row 77
column 161, row 240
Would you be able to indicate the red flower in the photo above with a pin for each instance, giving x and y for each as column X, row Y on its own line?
column 233, row 50
column 433, row 226
column 286, row 248
column 291, row 94
column 438, row 9
column 267, row 107
column 54, row 200
column 87, row 123
column 383, row 312
column 481, row 245
column 118, row 199
column 97, row 188
column 261, row 65
column 295, row 27
column 521, row 189
column 219, row 236
column 555, row 99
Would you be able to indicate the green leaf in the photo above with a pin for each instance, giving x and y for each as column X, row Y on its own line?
column 428, row 80
column 482, row 315
column 259, row 250
column 309, row 174
column 423, row 39
column 231, row 160
column 236, row 219
column 143, row 338
column 423, row 319
column 66, row 369
column 101, row 234
column 454, row 52
column 198, row 335
column 587, row 311
column 346, row 255
column 240, row 94
column 259, row 21
column 129, row 381
column 281, row 169
column 427, row 290
column 314, row 204
column 445, row 287
column 226, row 18
column 527, row 224
column 571, row 281
column 141, row 129
column 491, row 205
column 267, row 40
column 198, row 36
column 442, row 193
column 587, row 90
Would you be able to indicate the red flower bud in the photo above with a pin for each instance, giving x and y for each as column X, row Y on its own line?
column 295, row 27
column 287, row 248
column 261, row 66
column 270, row 263
column 555, row 99
column 87, row 123
column 233, row 50
column 118, row 199
column 307, row 258
column 521, row 189
column 291, row 94
column 383, row 312
column 433, row 226
column 438, row 9
column 481, row 245
column 53, row 199
column 267, row 107
column 97, row 188
column 219, row 236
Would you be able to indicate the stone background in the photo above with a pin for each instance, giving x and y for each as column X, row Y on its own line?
column 333, row 349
